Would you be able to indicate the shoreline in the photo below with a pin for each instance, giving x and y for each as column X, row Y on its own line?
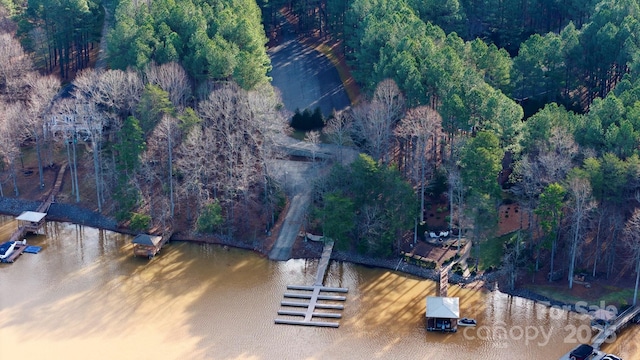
column 62, row 212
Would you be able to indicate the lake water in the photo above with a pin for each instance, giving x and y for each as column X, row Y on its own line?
column 85, row 296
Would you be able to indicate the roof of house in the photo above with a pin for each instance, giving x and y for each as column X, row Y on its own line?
column 146, row 239
column 443, row 307
column 31, row 216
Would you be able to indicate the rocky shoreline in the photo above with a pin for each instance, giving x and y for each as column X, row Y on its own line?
column 78, row 215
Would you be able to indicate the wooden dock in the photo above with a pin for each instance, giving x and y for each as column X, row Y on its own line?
column 314, row 296
column 17, row 251
column 147, row 245
column 34, row 226
column 620, row 322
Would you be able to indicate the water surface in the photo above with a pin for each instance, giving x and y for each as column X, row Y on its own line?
column 85, row 296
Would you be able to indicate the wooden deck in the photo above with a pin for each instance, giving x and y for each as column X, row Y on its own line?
column 315, row 295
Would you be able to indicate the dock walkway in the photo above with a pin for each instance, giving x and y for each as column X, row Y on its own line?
column 620, row 322
column 47, row 200
column 315, row 295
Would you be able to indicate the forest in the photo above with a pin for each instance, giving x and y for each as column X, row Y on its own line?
column 480, row 102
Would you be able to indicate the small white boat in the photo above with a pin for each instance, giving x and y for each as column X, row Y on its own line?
column 6, row 249
column 467, row 322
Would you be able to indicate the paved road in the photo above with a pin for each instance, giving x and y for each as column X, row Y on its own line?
column 305, row 77
column 297, row 179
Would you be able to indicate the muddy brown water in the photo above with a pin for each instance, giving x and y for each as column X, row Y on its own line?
column 84, row 296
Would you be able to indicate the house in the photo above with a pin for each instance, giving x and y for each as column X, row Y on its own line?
column 442, row 313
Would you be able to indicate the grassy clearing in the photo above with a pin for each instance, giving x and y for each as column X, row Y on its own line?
column 615, row 295
column 490, row 252
column 611, row 295
column 556, row 293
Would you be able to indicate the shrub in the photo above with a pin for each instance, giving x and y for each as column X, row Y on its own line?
column 431, row 264
column 210, row 218
column 140, row 222
column 438, row 184
column 307, row 120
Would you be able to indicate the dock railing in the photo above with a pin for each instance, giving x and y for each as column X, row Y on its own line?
column 620, row 322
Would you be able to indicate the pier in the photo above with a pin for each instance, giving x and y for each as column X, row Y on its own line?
column 620, row 322
column 629, row 315
column 312, row 299
column 34, row 221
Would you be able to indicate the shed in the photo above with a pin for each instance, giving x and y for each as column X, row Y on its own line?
column 31, row 221
column 442, row 313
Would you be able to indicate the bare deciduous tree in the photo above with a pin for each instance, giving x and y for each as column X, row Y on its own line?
column 526, row 172
column 313, row 138
column 580, row 190
column 556, row 156
column 160, row 148
column 271, row 119
column 225, row 149
column 10, row 140
column 390, row 99
column 172, row 78
column 198, row 166
column 632, row 241
column 42, row 91
column 338, row 129
column 374, row 121
column 420, row 128
column 14, row 65
column 6, row 23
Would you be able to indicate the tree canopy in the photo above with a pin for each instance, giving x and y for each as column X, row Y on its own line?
column 213, row 39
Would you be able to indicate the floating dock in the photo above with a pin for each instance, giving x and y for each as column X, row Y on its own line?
column 314, row 296
column 17, row 251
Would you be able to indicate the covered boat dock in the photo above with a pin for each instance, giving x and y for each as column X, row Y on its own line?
column 148, row 245
column 31, row 221
column 442, row 313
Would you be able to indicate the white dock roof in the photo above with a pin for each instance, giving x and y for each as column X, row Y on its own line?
column 443, row 307
column 31, row 216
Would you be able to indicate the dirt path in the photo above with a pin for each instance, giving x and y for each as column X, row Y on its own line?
column 101, row 62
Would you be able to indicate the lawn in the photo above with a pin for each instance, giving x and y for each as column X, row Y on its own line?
column 490, row 252
column 613, row 295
